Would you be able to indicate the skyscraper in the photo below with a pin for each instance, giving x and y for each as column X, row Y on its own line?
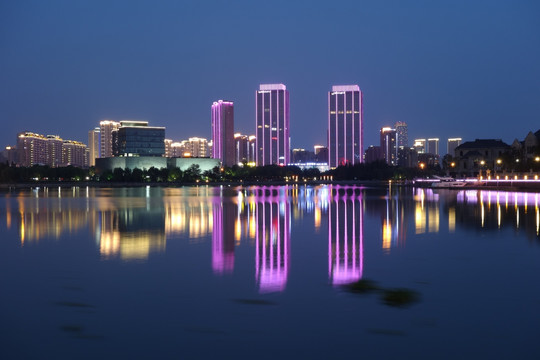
column 345, row 125
column 223, row 132
column 453, row 143
column 272, row 113
column 402, row 134
column 93, row 146
column 106, row 128
column 433, row 146
column 388, row 145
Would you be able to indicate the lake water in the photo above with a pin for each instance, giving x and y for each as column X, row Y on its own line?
column 261, row 272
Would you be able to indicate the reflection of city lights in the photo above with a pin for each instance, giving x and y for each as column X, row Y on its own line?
column 452, row 219
column 386, row 235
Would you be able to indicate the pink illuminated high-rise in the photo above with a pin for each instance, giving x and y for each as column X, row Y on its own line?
column 223, row 132
column 272, row 112
column 345, row 125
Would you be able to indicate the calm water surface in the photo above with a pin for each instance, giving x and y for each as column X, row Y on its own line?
column 260, row 272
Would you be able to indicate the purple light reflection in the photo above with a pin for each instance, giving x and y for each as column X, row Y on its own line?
column 272, row 241
column 224, row 215
column 345, row 236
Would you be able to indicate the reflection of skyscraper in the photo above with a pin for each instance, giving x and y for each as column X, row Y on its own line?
column 272, row 241
column 224, row 217
column 223, row 132
column 345, row 138
column 345, row 238
column 272, row 112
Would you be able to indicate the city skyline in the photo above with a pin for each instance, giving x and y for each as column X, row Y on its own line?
column 411, row 62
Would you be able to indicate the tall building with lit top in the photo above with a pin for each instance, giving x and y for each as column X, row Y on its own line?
column 223, row 132
column 433, row 146
column 452, row 144
column 136, row 138
column 93, row 146
column 389, row 145
column 106, row 130
column 420, row 145
column 345, row 125
column 272, row 132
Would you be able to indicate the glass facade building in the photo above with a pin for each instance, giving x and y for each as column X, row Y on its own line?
column 272, row 132
column 345, row 125
column 136, row 138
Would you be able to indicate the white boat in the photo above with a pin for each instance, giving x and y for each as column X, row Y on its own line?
column 447, row 182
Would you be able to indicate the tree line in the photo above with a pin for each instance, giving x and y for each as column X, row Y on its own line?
column 359, row 172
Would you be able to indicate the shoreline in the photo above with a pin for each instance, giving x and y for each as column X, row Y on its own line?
column 535, row 187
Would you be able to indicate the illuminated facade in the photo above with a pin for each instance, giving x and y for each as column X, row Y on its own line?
column 168, row 147
column 402, row 134
column 54, row 151
column 420, row 145
column 389, row 145
column 136, row 138
column 272, row 132
column 51, row 150
column 244, row 148
column 106, row 130
column 345, row 125
column 223, row 132
column 74, row 153
column 93, row 146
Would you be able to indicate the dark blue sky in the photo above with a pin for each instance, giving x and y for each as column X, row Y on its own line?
column 447, row 68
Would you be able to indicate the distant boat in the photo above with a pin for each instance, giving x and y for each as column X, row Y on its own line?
column 446, row 182
column 439, row 182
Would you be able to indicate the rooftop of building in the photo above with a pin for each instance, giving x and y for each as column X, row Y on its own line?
column 482, row 144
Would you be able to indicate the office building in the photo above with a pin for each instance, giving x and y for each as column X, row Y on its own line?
column 345, row 125
column 452, row 144
column 402, row 134
column 136, row 138
column 93, row 146
column 389, row 145
column 106, row 130
column 223, row 132
column 272, row 132
column 433, row 146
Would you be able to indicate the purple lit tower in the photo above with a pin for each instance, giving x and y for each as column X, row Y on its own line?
column 345, row 125
column 272, row 112
column 223, row 132
column 345, row 238
column 272, row 239
column 224, row 214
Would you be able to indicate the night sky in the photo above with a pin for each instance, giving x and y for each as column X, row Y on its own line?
column 454, row 68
